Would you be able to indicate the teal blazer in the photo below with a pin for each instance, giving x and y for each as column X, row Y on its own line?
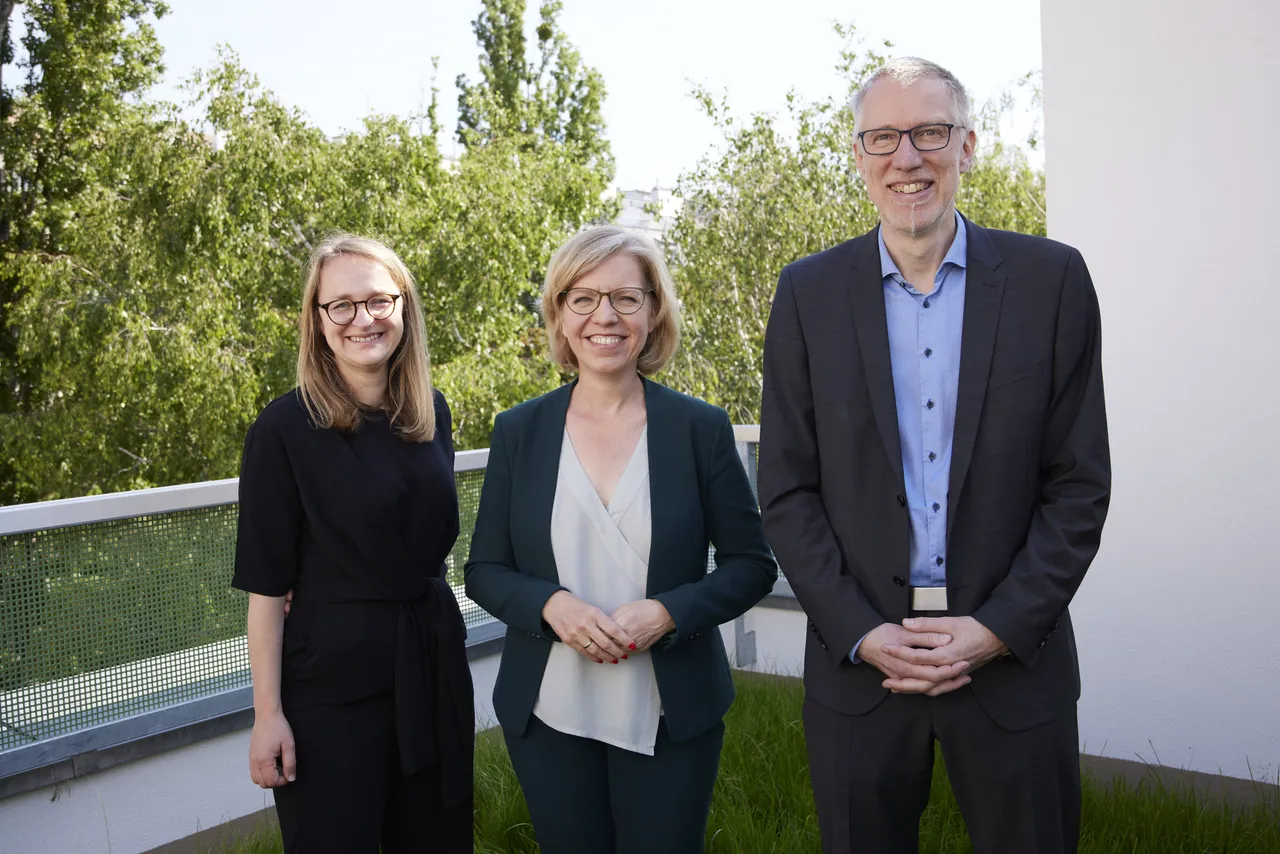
column 699, row 494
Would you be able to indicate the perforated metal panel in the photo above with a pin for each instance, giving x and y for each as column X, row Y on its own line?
column 105, row 620
column 109, row 619
column 469, row 484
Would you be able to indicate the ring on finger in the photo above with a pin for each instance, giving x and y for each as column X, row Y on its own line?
column 588, row 644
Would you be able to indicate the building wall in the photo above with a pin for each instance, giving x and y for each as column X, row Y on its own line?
column 634, row 216
column 1162, row 121
column 138, row 805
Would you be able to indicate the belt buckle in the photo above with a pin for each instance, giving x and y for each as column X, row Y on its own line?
column 928, row 598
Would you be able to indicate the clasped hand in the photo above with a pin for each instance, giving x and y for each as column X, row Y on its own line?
column 633, row 627
column 929, row 655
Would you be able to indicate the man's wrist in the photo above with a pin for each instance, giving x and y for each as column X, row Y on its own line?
column 853, row 653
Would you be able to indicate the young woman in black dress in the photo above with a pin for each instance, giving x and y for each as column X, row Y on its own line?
column 363, row 715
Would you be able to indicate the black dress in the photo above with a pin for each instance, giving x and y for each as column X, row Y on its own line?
column 374, row 678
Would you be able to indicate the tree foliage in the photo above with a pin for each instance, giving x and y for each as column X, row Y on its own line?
column 150, row 265
column 80, row 62
column 153, row 265
column 557, row 100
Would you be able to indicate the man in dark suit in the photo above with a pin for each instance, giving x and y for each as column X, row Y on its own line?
column 934, row 475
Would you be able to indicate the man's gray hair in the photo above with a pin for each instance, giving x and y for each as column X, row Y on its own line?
column 907, row 70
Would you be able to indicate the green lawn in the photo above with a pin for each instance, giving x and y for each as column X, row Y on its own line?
column 763, row 804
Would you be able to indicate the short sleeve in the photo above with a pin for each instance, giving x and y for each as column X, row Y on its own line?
column 271, row 515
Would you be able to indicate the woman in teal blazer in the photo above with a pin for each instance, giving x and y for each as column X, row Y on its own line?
column 599, row 502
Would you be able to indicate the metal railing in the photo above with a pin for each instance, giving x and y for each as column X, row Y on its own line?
column 116, row 606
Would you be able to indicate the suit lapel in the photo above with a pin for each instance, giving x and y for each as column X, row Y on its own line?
column 984, row 292
column 866, row 294
column 543, row 455
column 667, row 449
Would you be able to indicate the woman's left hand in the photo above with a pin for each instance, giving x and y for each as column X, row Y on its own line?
column 645, row 620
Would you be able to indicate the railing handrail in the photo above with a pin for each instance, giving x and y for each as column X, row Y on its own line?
column 67, row 512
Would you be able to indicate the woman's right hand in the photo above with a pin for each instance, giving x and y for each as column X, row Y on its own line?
column 585, row 628
column 271, row 740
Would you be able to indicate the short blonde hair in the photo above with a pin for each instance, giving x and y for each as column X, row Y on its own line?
column 409, row 401
column 586, row 251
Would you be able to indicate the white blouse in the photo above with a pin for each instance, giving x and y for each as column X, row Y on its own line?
column 602, row 557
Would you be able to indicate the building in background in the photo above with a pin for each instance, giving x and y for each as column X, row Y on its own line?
column 650, row 212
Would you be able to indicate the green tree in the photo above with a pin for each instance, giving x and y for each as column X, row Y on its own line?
column 762, row 200
column 557, row 99
column 83, row 62
column 152, row 265
column 152, row 331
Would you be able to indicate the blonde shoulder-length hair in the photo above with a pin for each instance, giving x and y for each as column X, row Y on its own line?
column 586, row 251
column 409, row 400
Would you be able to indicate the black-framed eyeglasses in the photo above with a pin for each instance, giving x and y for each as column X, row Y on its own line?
column 343, row 311
column 585, row 300
column 931, row 137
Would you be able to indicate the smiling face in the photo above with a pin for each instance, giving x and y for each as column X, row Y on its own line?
column 914, row 191
column 364, row 346
column 606, row 342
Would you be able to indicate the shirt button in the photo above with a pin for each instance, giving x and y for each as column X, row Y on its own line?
column 902, row 501
column 927, row 352
column 929, row 404
column 926, row 303
column 939, row 560
column 932, row 456
column 900, row 581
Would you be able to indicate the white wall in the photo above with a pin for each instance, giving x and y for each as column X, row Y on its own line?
column 144, row 804
column 138, row 805
column 1162, row 119
column 779, row 637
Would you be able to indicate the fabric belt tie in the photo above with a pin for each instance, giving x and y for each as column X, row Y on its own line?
column 431, row 651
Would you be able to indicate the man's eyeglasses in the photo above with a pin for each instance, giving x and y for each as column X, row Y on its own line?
column 585, row 300
column 343, row 311
column 881, row 141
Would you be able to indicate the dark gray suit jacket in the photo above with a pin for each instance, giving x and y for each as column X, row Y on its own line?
column 1030, row 472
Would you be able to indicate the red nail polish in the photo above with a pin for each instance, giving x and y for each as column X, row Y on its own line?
column 615, row 661
column 633, row 646
column 624, row 655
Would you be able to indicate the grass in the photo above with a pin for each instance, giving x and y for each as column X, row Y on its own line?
column 763, row 804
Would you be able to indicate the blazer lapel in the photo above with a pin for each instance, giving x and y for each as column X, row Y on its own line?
column 866, row 294
column 668, row 448
column 984, row 291
column 543, row 459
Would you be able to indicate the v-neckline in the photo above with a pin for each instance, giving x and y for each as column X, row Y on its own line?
column 629, row 481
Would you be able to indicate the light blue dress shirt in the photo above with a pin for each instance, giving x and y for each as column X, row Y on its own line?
column 924, row 350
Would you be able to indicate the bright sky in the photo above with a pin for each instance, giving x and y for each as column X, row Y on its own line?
column 337, row 61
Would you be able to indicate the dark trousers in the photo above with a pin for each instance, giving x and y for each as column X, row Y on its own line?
column 586, row 797
column 350, row 796
column 1019, row 792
